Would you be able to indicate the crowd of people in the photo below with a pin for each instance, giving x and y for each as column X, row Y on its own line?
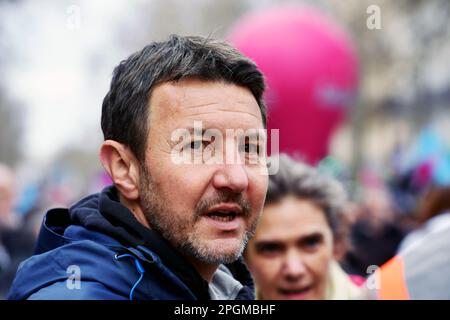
column 165, row 230
column 312, row 242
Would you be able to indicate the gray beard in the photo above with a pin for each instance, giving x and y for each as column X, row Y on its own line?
column 182, row 235
column 202, row 253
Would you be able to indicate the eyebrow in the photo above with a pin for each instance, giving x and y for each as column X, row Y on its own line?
column 300, row 239
column 253, row 133
column 191, row 131
column 313, row 235
column 259, row 245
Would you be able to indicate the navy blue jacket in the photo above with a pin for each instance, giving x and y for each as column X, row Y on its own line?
column 98, row 250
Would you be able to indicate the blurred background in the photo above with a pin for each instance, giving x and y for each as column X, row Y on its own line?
column 379, row 106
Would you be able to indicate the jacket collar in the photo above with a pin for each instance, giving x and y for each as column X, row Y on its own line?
column 116, row 221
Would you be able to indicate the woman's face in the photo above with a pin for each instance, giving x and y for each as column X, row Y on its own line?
column 290, row 254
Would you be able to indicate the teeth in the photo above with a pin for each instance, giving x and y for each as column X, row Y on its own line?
column 222, row 216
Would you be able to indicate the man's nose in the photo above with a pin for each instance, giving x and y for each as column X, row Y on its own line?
column 231, row 176
column 293, row 267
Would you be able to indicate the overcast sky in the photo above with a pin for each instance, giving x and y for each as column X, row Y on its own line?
column 60, row 57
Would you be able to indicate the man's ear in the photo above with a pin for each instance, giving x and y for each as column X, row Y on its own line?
column 122, row 167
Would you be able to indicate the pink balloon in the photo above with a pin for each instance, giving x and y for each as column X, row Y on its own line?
column 311, row 70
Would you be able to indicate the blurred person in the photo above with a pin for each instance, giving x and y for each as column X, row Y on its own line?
column 433, row 213
column 377, row 229
column 298, row 242
column 421, row 269
column 8, row 218
column 16, row 243
column 164, row 230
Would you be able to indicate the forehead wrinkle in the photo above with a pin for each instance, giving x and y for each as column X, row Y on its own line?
column 173, row 103
column 228, row 111
column 206, row 104
column 201, row 105
column 240, row 111
column 223, row 110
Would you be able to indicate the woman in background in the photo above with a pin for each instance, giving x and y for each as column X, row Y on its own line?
column 300, row 238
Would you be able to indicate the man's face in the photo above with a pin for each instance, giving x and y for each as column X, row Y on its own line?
column 205, row 210
column 291, row 251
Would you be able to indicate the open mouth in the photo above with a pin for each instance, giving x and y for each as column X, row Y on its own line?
column 223, row 216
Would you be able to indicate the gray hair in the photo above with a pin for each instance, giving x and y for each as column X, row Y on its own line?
column 303, row 181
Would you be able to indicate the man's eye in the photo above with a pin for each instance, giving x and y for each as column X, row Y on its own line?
column 197, row 145
column 250, row 148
